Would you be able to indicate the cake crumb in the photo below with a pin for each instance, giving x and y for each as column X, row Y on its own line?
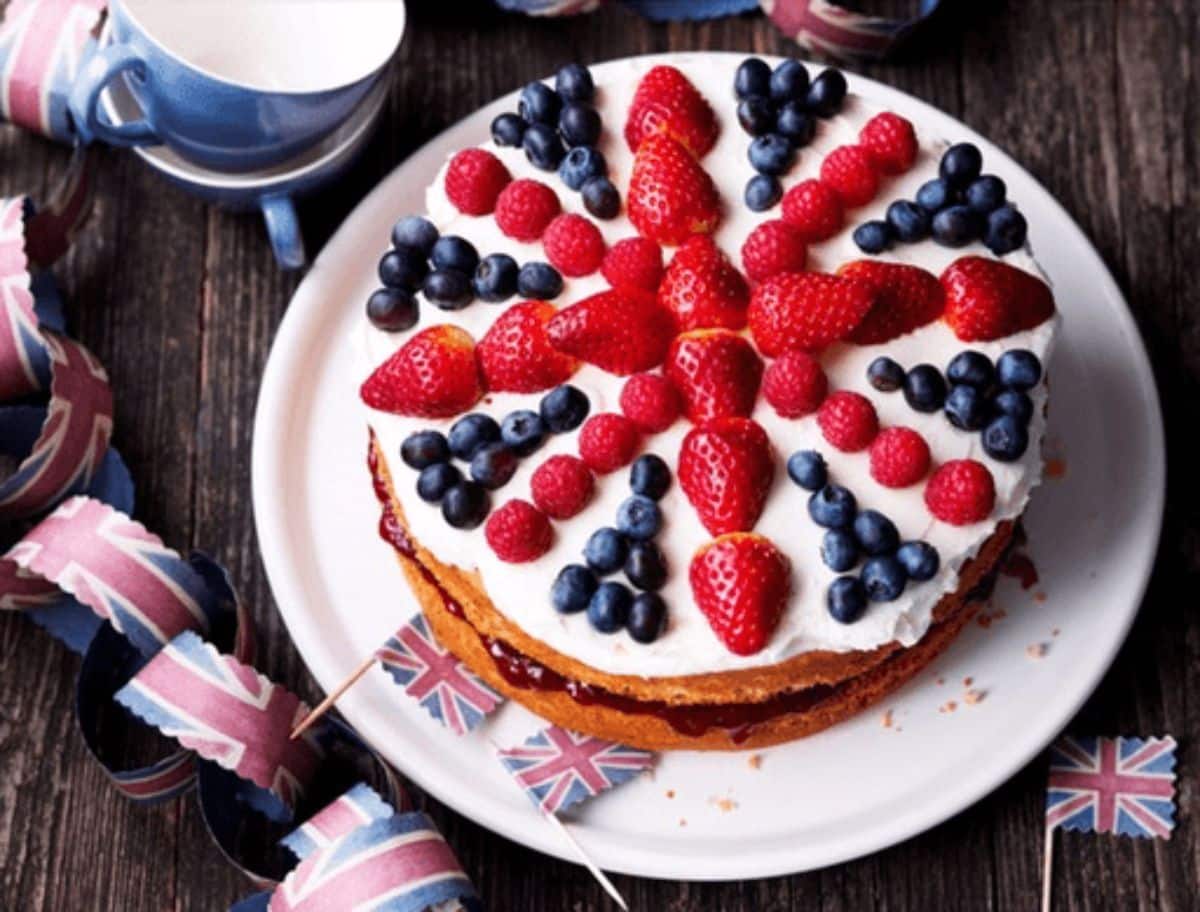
column 1055, row 468
column 1036, row 650
column 886, row 719
column 1055, row 632
column 973, row 696
column 941, row 681
column 948, row 707
column 682, row 822
column 1040, row 596
column 754, row 761
column 968, row 681
column 670, row 793
column 724, row 805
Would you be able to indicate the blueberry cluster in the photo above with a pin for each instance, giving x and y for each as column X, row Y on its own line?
column 959, row 206
column 779, row 108
column 558, row 129
column 611, row 605
column 974, row 394
column 855, row 535
column 491, row 452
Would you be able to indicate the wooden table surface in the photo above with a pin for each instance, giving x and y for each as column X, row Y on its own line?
column 1098, row 98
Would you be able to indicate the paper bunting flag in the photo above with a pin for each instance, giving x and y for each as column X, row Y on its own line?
column 558, row 768
column 435, row 678
column 830, row 29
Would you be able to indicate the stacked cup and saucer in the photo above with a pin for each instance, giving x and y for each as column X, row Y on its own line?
column 246, row 103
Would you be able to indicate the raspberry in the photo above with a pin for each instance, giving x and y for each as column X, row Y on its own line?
column 574, row 246
column 794, row 384
column 524, row 209
column 518, row 532
column 650, row 401
column 851, row 174
column 562, row 486
column 961, row 492
column 607, row 442
column 633, row 263
column 848, row 421
column 773, row 247
column 899, row 457
column 890, row 141
column 474, row 180
column 813, row 209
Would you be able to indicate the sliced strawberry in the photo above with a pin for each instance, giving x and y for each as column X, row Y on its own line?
column 987, row 299
column 716, row 371
column 906, row 298
column 702, row 289
column 516, row 355
column 666, row 103
column 805, row 310
column 725, row 469
column 670, row 195
column 433, row 375
column 741, row 583
column 622, row 332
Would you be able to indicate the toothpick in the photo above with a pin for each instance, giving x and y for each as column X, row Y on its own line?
column 1047, row 868
column 336, row 694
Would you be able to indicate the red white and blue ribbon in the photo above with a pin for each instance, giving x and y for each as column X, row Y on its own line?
column 831, row 29
column 357, row 807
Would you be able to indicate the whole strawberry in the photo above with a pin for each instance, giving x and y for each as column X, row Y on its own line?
column 670, row 196
column 474, row 180
column 805, row 310
column 726, row 469
column 702, row 289
column 433, row 375
column 622, row 332
column 666, row 103
column 773, row 247
column 987, row 299
column 634, row 262
column 716, row 371
column 516, row 355
column 906, row 298
column 741, row 582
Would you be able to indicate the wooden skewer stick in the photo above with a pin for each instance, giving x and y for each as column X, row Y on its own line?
column 1047, row 868
column 587, row 862
column 336, row 694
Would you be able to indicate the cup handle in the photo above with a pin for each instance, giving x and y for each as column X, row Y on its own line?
column 85, row 99
column 283, row 228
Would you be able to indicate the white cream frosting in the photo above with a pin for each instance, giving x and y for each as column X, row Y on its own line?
column 521, row 591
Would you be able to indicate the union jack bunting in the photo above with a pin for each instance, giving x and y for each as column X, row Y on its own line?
column 357, row 807
column 228, row 713
column 1112, row 785
column 558, row 768
column 431, row 675
column 824, row 27
column 24, row 360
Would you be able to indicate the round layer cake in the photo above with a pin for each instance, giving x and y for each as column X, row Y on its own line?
column 821, row 519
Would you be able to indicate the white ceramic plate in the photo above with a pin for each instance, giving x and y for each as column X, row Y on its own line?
column 849, row 791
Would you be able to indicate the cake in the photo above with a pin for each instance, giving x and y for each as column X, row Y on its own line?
column 715, row 429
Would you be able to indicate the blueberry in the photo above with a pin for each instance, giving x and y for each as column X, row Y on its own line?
column 883, row 578
column 1005, row 439
column 832, row 507
column 403, row 267
column 1006, row 230
column 415, row 232
column 826, row 94
column 579, row 125
column 771, row 154
column 846, row 599
column 608, row 607
column 508, row 130
column 453, row 252
column 957, row 226
column 794, row 122
column 572, row 589
column 1014, row 403
column 465, row 505
column 876, row 533
column 971, row 368
column 908, row 221
column 762, row 192
column 966, row 407
column 756, row 115
column 789, row 81
column 423, row 449
column 601, row 198
column 649, row 476
column 472, row 432
column 493, row 465
column 647, row 617
column 543, row 147
column 919, row 560
column 638, row 517
column 935, row 195
column 645, row 566
column 839, row 550
column 985, row 194
column 539, row 104
column 885, row 375
column 580, row 165
column 873, row 237
column 435, row 480
column 606, row 550
column 807, row 469
column 448, row 289
column 960, row 164
column 523, row 431
column 539, row 282
column 924, row 388
column 1019, row 369
column 563, row 408
column 496, row 278
column 753, row 77
column 574, row 83
column 392, row 309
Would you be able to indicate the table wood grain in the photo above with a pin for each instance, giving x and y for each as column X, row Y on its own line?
column 1098, row 98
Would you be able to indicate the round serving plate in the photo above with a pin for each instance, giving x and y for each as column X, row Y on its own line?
column 854, row 789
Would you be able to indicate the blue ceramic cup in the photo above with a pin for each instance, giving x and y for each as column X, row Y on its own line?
column 237, row 85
